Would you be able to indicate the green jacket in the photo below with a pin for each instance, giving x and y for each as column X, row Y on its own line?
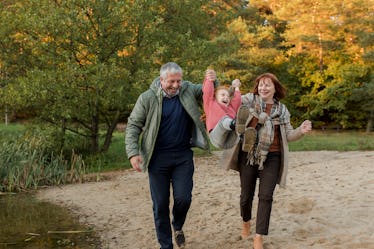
column 144, row 121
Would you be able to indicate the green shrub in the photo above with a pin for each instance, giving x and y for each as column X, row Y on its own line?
column 52, row 140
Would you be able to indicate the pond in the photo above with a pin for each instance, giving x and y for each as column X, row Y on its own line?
column 26, row 222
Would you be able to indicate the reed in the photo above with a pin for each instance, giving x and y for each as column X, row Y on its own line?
column 26, row 166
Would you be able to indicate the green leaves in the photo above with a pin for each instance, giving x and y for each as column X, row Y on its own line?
column 80, row 64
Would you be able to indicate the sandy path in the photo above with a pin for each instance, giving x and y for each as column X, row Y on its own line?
column 328, row 203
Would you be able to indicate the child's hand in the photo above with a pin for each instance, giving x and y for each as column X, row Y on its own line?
column 236, row 83
column 203, row 117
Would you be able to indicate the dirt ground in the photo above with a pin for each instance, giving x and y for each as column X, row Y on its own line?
column 328, row 203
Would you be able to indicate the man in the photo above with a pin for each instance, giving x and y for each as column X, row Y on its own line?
column 166, row 122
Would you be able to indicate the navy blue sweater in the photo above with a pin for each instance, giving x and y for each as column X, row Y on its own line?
column 174, row 134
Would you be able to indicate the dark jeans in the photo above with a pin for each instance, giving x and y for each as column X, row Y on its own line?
column 175, row 168
column 268, row 180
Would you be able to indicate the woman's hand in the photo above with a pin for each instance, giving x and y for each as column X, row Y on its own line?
column 306, row 126
column 236, row 83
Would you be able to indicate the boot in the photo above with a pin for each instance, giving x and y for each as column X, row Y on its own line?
column 242, row 119
column 258, row 242
column 246, row 230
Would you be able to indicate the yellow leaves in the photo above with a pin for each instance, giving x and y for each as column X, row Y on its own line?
column 84, row 57
column 238, row 26
column 19, row 37
column 47, row 39
column 126, row 51
column 240, row 29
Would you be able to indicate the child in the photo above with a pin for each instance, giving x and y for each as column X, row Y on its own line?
column 220, row 110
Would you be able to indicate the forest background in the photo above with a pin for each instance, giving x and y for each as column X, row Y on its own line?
column 71, row 71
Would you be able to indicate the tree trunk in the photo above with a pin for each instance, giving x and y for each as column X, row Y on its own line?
column 109, row 133
column 95, row 134
column 320, row 52
column 62, row 134
column 369, row 125
column 6, row 115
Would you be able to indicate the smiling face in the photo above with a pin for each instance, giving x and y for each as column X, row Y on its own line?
column 222, row 96
column 266, row 90
column 171, row 83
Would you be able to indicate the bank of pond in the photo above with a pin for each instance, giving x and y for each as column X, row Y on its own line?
column 29, row 223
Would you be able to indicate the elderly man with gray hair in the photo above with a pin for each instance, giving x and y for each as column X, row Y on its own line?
column 163, row 126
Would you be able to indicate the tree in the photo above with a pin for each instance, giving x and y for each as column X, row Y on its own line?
column 326, row 38
column 87, row 61
column 253, row 43
column 359, row 23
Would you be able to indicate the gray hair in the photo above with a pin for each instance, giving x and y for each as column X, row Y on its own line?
column 170, row 68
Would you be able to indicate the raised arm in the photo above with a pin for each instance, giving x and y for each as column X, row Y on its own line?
column 236, row 100
column 208, row 88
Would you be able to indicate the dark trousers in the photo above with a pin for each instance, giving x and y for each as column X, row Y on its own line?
column 176, row 169
column 267, row 181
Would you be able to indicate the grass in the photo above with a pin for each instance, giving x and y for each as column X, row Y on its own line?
column 11, row 130
column 26, row 162
column 333, row 140
column 115, row 158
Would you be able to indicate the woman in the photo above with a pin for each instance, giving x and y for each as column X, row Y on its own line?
column 267, row 157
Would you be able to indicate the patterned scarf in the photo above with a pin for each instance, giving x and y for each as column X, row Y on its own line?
column 265, row 127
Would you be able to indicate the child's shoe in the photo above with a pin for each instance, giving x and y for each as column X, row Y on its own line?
column 242, row 119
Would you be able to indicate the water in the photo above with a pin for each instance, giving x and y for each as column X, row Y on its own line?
column 31, row 224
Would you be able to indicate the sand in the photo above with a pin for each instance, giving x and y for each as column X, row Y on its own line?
column 328, row 203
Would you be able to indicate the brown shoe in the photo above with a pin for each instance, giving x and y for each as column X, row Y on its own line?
column 242, row 117
column 246, row 230
column 258, row 242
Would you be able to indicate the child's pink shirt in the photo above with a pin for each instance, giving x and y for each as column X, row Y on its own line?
column 215, row 111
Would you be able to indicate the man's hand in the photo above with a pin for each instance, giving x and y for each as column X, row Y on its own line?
column 210, row 74
column 136, row 161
